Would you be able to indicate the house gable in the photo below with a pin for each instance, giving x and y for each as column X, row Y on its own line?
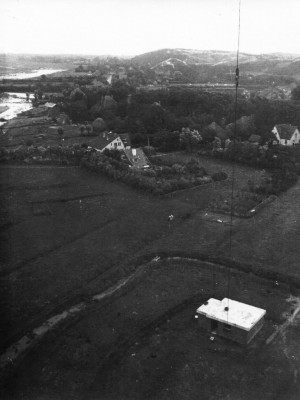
column 286, row 134
column 107, row 140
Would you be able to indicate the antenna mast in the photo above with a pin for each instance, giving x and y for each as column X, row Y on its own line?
column 237, row 75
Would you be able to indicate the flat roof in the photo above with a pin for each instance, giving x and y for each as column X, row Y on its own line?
column 50, row 105
column 239, row 314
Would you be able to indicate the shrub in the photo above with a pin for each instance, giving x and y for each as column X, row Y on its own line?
column 150, row 173
column 219, row 176
column 166, row 171
column 178, row 169
column 29, row 142
column 166, row 187
column 183, row 183
column 149, row 151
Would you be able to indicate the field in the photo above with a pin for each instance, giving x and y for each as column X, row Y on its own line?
column 69, row 235
column 63, row 232
column 145, row 343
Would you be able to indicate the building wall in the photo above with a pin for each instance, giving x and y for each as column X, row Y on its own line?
column 295, row 139
column 53, row 112
column 233, row 333
column 115, row 144
column 255, row 330
column 204, row 322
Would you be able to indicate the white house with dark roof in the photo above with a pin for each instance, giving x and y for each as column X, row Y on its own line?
column 107, row 140
column 286, row 134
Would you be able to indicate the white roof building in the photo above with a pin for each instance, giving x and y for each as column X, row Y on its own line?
column 229, row 317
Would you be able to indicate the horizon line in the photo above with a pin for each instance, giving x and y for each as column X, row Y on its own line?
column 147, row 52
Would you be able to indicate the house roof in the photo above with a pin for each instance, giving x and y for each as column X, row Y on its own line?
column 239, row 314
column 137, row 158
column 254, row 138
column 125, row 139
column 49, row 105
column 101, row 141
column 285, row 131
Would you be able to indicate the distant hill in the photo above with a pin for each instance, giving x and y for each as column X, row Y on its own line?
column 273, row 63
column 190, row 56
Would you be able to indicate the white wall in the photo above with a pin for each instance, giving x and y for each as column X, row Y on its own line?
column 295, row 139
column 118, row 142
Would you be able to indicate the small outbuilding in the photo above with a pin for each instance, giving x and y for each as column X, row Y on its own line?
column 52, row 109
column 137, row 158
column 231, row 319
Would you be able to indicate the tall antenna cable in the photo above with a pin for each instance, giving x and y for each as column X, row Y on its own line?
column 237, row 75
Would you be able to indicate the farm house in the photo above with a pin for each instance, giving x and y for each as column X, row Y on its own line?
column 231, row 319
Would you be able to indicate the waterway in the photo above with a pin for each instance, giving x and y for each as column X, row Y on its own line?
column 32, row 74
column 12, row 104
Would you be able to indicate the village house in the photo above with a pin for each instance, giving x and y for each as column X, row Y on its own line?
column 122, row 75
column 53, row 110
column 125, row 137
column 107, row 140
column 286, row 134
column 231, row 319
column 137, row 158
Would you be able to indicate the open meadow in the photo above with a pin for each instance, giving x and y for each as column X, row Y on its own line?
column 144, row 342
column 69, row 235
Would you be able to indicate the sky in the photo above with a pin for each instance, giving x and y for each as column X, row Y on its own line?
column 130, row 27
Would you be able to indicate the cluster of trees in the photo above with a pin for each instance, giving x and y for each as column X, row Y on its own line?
column 282, row 163
column 158, row 180
column 40, row 154
column 157, row 117
column 296, row 93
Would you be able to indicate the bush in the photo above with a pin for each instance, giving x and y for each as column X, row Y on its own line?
column 166, row 187
column 150, row 173
column 193, row 166
column 29, row 142
column 183, row 183
column 219, row 176
column 179, row 169
column 149, row 151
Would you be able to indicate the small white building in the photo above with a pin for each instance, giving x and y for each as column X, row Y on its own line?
column 286, row 134
column 231, row 319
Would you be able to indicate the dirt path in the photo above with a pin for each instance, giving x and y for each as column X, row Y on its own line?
column 281, row 329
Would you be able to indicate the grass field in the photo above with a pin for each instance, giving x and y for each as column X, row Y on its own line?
column 63, row 228
column 68, row 234
column 145, row 343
